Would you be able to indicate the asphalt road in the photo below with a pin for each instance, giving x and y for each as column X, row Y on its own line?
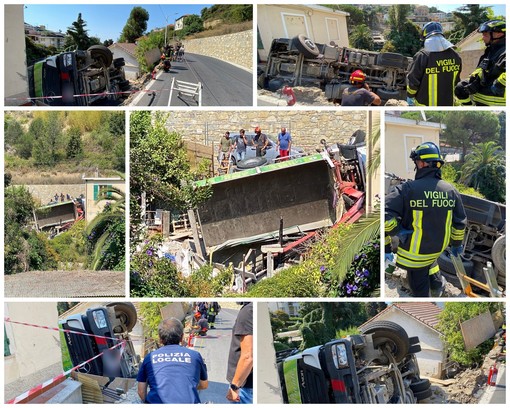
column 223, row 84
column 214, row 349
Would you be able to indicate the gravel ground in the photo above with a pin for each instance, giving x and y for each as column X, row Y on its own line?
column 396, row 286
column 65, row 284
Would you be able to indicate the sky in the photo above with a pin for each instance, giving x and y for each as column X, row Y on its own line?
column 499, row 9
column 104, row 21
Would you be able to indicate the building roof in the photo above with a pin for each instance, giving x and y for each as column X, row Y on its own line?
column 425, row 312
column 474, row 35
column 130, row 48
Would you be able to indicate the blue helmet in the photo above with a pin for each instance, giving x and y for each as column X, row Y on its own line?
column 429, row 29
column 428, row 152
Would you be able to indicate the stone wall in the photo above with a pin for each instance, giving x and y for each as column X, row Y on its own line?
column 45, row 193
column 235, row 48
column 307, row 127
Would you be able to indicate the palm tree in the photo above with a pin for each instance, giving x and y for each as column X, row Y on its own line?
column 361, row 37
column 106, row 232
column 484, row 156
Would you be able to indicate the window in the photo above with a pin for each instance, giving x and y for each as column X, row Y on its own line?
column 7, row 349
column 98, row 190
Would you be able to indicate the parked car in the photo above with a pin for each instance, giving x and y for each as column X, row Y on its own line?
column 376, row 367
column 272, row 154
column 89, row 74
column 299, row 61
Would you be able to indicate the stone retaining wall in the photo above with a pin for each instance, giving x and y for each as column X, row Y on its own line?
column 235, row 48
column 45, row 193
column 307, row 127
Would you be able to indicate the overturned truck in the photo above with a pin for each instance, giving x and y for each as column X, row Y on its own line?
column 376, row 367
column 301, row 62
column 261, row 218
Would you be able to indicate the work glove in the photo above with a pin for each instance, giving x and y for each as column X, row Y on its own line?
column 403, row 233
column 457, row 250
column 410, row 101
column 461, row 91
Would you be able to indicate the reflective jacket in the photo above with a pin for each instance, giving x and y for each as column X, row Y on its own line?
column 432, row 209
column 492, row 72
column 432, row 77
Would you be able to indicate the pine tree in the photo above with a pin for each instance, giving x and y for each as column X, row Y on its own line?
column 74, row 146
column 77, row 35
column 135, row 25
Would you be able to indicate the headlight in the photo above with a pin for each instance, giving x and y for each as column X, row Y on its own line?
column 339, row 353
column 99, row 319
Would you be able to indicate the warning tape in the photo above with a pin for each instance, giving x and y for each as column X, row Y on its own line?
column 59, row 377
column 51, row 97
column 7, row 319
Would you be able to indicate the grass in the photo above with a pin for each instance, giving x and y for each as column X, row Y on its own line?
column 223, row 30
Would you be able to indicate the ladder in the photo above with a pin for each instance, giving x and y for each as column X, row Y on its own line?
column 465, row 281
column 189, row 89
column 225, row 164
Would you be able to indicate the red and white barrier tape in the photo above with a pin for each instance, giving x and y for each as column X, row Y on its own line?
column 51, row 97
column 59, row 377
column 7, row 319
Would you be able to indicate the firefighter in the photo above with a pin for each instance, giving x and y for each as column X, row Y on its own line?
column 427, row 215
column 359, row 93
column 486, row 86
column 435, row 70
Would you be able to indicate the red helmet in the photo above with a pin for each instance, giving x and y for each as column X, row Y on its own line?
column 357, row 76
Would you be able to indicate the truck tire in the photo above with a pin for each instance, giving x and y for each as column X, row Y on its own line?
column 420, row 385
column 386, row 94
column 306, row 46
column 251, row 163
column 446, row 265
column 390, row 59
column 124, row 85
column 126, row 313
column 421, row 395
column 101, row 54
column 498, row 253
column 390, row 333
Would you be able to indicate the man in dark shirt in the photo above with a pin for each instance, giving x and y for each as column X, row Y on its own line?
column 240, row 358
column 260, row 141
column 359, row 93
column 173, row 373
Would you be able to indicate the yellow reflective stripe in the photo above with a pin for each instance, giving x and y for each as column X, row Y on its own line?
column 390, row 225
column 490, row 100
column 418, row 257
column 407, row 263
column 417, row 232
column 433, row 270
column 430, row 156
column 411, row 91
column 433, row 90
column 387, row 240
column 457, row 234
column 447, row 229
column 502, row 79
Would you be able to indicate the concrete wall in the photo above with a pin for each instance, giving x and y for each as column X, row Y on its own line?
column 402, row 135
column 132, row 68
column 234, row 48
column 15, row 76
column 287, row 21
column 433, row 354
column 306, row 127
column 32, row 349
column 45, row 193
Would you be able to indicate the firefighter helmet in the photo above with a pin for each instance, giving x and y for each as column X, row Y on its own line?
column 429, row 29
column 357, row 76
column 428, row 152
column 493, row 26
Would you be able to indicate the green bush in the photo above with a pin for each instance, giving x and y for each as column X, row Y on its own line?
column 280, row 346
column 71, row 245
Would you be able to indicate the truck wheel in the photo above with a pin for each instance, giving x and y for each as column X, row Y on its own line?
column 101, row 54
column 251, row 163
column 306, row 46
column 421, row 395
column 420, row 385
column 390, row 59
column 386, row 94
column 124, row 85
column 390, row 333
column 126, row 313
column 498, row 253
